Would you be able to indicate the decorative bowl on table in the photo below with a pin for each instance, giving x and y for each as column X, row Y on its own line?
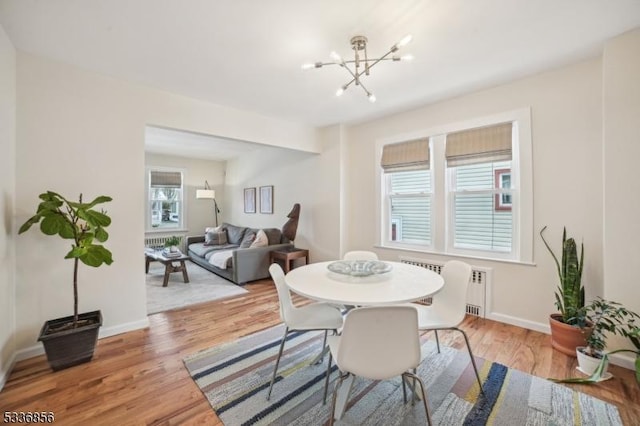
column 359, row 268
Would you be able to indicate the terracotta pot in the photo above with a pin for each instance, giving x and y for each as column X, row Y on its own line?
column 566, row 338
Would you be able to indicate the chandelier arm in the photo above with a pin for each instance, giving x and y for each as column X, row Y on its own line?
column 322, row 64
column 382, row 58
column 355, row 76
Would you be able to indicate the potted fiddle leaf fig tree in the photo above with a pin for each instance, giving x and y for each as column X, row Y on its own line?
column 569, row 327
column 71, row 340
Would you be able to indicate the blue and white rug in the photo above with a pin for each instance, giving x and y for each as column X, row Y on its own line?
column 235, row 379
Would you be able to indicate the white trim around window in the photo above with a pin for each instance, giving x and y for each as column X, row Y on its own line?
column 521, row 176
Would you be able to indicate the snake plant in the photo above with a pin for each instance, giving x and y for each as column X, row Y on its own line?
column 570, row 293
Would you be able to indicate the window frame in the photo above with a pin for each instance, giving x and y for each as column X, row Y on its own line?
column 441, row 231
column 498, row 203
column 181, row 224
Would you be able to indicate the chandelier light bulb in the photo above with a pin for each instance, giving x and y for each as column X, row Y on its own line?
column 372, row 97
column 308, row 66
column 340, row 91
column 406, row 58
column 404, row 41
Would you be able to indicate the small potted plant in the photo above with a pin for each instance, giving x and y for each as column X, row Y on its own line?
column 71, row 340
column 569, row 327
column 606, row 317
column 172, row 243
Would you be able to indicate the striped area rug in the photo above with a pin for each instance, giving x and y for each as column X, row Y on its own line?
column 235, row 379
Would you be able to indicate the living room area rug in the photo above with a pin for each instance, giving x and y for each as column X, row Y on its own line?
column 235, row 377
column 203, row 286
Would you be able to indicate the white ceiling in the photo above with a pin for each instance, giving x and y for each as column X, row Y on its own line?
column 247, row 54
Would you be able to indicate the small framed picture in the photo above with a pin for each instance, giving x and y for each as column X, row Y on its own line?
column 249, row 200
column 266, row 199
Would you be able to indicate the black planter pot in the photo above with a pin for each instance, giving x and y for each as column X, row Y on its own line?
column 73, row 346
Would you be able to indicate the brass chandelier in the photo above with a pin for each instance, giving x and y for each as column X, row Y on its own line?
column 361, row 63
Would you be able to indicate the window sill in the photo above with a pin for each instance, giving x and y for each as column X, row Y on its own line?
column 456, row 255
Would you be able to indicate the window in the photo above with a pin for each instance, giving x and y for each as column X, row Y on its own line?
column 502, row 181
column 479, row 222
column 410, row 202
column 165, row 199
column 408, row 191
column 472, row 195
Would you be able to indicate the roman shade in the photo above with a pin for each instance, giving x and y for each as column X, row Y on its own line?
column 479, row 145
column 166, row 179
column 411, row 155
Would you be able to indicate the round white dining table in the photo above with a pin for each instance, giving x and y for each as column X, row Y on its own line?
column 403, row 283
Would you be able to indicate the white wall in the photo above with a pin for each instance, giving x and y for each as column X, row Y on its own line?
column 621, row 71
column 567, row 146
column 7, row 200
column 200, row 213
column 313, row 180
column 83, row 132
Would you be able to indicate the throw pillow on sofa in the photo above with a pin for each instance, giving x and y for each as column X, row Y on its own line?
column 215, row 238
column 249, row 238
column 261, row 240
column 234, row 233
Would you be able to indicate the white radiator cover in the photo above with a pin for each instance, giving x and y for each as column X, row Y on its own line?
column 157, row 241
column 477, row 290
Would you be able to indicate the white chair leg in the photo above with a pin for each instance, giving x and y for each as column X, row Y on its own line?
column 423, row 392
column 275, row 368
column 326, row 380
column 335, row 397
column 473, row 361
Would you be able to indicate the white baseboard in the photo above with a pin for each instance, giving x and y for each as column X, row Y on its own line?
column 123, row 328
column 4, row 374
column 623, row 360
column 38, row 349
column 530, row 325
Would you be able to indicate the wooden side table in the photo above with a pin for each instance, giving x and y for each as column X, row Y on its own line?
column 289, row 255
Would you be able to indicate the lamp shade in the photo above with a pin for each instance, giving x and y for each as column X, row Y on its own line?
column 208, row 194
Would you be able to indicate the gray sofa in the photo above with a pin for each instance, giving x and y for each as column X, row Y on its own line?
column 246, row 264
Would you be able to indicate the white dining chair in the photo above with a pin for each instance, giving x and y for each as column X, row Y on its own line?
column 378, row 343
column 315, row 316
column 449, row 306
column 360, row 255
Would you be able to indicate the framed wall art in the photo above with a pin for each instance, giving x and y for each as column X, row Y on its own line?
column 266, row 199
column 249, row 200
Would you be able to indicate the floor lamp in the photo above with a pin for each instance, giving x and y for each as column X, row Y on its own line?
column 208, row 194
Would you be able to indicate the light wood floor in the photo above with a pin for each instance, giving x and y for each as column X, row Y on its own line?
column 139, row 378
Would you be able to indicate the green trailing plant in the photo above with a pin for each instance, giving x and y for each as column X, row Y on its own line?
column 633, row 333
column 172, row 241
column 608, row 317
column 79, row 222
column 570, row 292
